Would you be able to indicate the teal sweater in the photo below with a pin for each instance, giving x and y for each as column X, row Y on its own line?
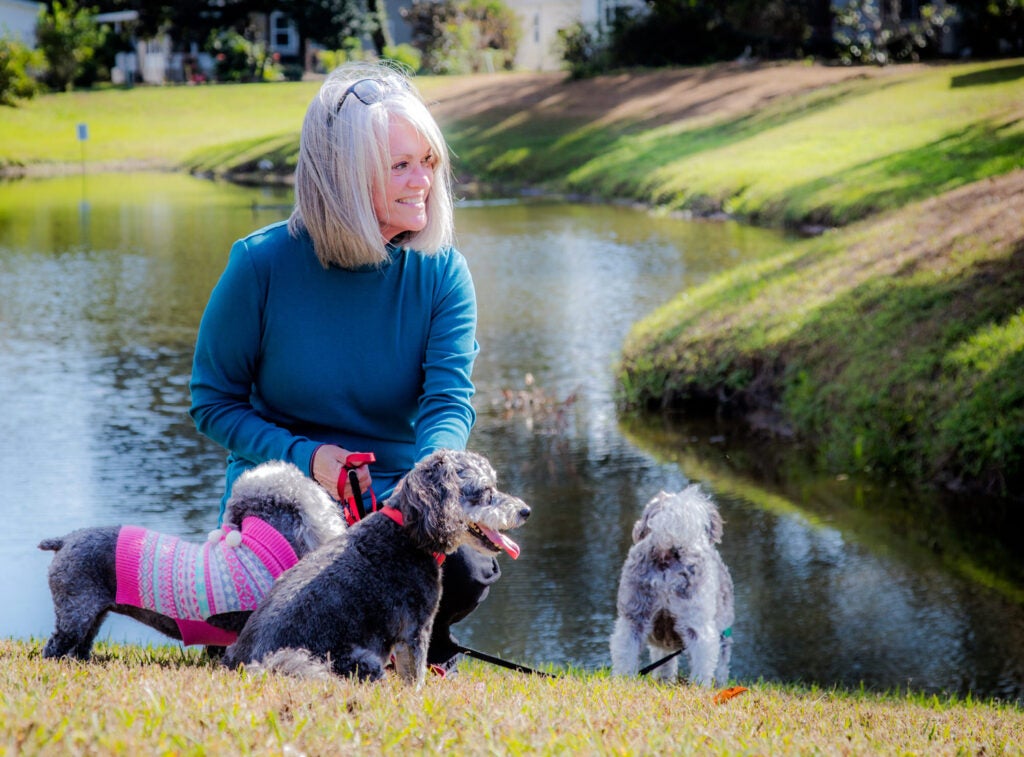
column 291, row 355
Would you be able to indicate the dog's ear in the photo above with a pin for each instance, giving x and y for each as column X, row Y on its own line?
column 429, row 499
column 715, row 525
column 641, row 528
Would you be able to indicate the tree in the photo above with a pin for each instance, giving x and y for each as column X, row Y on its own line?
column 992, row 28
column 331, row 22
column 193, row 20
column 68, row 36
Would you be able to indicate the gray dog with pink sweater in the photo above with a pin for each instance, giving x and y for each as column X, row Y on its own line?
column 198, row 593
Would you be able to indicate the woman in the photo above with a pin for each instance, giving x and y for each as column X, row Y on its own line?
column 352, row 327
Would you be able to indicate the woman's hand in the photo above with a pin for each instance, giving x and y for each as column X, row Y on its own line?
column 328, row 467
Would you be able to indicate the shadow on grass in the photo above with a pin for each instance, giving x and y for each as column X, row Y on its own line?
column 999, row 75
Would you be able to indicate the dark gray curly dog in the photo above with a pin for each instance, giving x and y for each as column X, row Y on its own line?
column 374, row 591
column 198, row 593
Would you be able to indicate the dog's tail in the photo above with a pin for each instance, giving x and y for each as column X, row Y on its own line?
column 52, row 545
column 293, row 662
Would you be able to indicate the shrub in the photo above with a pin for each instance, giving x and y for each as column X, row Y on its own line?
column 405, row 54
column 463, row 36
column 238, row 59
column 584, row 52
column 16, row 62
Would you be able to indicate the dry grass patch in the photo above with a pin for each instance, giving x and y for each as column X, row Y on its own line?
column 163, row 700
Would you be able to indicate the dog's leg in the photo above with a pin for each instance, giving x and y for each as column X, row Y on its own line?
column 668, row 671
column 411, row 656
column 361, row 662
column 82, row 580
column 626, row 647
column 724, row 657
column 702, row 650
column 75, row 631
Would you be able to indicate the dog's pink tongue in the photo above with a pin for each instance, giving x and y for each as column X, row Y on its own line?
column 501, row 540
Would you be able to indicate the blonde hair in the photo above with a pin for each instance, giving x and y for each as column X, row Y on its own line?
column 344, row 157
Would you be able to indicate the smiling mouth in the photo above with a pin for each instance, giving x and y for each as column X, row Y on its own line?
column 494, row 540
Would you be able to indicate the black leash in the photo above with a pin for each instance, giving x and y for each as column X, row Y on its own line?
column 483, row 656
column 503, row 663
column 658, row 663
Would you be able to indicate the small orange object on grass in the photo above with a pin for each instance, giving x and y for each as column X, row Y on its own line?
column 726, row 694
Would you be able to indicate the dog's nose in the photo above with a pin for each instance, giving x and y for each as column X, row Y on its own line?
column 524, row 512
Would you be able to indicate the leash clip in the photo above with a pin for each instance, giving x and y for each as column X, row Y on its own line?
column 354, row 510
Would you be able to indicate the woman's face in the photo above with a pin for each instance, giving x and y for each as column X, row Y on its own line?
column 402, row 205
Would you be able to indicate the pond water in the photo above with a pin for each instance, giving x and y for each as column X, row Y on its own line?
column 103, row 279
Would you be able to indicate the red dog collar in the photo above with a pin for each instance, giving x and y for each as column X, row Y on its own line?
column 396, row 516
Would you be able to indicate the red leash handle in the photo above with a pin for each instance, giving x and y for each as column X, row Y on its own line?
column 354, row 509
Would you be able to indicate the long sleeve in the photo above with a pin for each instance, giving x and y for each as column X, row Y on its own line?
column 446, row 415
column 225, row 366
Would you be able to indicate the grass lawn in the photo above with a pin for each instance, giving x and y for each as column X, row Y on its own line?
column 162, row 700
column 154, row 125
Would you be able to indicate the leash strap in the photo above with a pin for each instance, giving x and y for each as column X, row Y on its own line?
column 658, row 663
column 503, row 663
column 727, row 633
column 354, row 510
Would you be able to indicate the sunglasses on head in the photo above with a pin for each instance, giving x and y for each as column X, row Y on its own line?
column 366, row 91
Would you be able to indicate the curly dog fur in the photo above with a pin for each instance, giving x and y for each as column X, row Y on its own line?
column 374, row 592
column 675, row 591
column 83, row 574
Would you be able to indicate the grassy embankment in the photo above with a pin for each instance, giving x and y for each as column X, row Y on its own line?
column 895, row 343
column 166, row 701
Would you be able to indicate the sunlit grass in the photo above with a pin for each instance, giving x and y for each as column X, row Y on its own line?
column 158, row 125
column 833, row 155
column 161, row 700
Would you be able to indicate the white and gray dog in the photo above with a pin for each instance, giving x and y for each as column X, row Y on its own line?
column 374, row 591
column 675, row 591
column 198, row 593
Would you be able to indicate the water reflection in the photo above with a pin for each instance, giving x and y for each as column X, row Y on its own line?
column 101, row 288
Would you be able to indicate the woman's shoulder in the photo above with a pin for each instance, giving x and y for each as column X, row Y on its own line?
column 270, row 245
column 272, row 235
column 445, row 260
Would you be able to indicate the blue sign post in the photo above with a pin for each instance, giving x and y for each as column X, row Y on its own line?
column 83, row 136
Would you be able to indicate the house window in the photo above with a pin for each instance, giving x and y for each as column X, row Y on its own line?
column 283, row 37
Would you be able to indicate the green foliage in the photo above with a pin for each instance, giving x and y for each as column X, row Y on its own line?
column 991, row 28
column 68, row 37
column 239, row 59
column 583, row 50
column 330, row 22
column 16, row 64
column 463, row 36
column 669, row 33
column 351, row 49
column 405, row 54
column 869, row 32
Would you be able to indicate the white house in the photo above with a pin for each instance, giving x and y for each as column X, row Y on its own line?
column 539, row 20
column 18, row 20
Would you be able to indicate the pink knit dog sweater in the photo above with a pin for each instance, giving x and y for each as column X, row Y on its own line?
column 190, row 582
